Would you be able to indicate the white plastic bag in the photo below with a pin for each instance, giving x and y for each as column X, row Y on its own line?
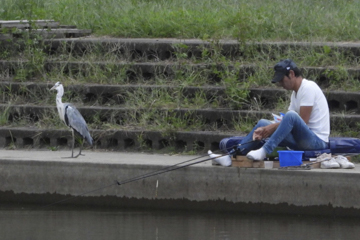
column 278, row 118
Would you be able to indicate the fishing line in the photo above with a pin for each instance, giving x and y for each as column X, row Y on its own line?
column 163, row 170
column 154, row 173
column 150, row 174
column 169, row 167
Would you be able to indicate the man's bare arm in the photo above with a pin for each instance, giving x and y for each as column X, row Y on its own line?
column 264, row 132
column 305, row 112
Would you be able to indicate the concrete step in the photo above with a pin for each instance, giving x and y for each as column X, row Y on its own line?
column 52, row 33
column 43, row 29
column 163, row 49
column 146, row 71
column 117, row 140
column 214, row 120
column 24, row 24
column 339, row 101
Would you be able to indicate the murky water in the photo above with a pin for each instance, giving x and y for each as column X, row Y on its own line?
column 61, row 223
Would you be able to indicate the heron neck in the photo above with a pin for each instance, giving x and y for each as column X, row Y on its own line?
column 58, row 99
column 59, row 95
column 59, row 104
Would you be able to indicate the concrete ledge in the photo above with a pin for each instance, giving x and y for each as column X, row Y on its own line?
column 113, row 140
column 164, row 47
column 43, row 177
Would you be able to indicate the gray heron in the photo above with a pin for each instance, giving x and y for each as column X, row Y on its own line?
column 72, row 118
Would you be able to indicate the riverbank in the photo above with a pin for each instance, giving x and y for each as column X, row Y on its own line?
column 44, row 177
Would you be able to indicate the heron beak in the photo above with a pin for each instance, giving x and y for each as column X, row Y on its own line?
column 54, row 87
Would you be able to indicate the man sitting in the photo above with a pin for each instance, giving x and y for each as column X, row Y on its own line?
column 306, row 126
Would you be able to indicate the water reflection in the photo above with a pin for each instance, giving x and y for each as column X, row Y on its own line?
column 60, row 223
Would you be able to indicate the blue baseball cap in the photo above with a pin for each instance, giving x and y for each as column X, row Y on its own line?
column 282, row 68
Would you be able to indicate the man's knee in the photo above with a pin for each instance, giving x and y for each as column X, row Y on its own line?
column 291, row 114
column 262, row 122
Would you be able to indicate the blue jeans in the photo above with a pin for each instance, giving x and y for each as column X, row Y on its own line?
column 292, row 132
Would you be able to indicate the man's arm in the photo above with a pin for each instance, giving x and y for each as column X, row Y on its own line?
column 264, row 132
column 305, row 112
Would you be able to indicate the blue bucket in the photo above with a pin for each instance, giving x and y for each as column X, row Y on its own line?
column 290, row 158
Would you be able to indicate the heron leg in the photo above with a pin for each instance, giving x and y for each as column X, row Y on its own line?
column 73, row 143
column 72, row 146
column 82, row 143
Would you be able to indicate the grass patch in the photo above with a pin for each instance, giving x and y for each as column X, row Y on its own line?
column 332, row 20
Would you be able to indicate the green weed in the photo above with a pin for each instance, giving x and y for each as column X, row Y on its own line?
column 236, row 19
column 4, row 116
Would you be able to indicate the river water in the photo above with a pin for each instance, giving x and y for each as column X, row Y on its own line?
column 63, row 223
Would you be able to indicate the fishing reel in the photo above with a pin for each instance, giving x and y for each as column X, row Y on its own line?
column 237, row 150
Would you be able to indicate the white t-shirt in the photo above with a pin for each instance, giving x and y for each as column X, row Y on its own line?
column 310, row 94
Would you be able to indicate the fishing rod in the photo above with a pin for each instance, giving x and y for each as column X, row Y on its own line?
column 156, row 172
column 167, row 169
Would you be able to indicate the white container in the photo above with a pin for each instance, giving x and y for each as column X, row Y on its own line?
column 268, row 164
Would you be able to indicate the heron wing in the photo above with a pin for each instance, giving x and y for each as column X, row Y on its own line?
column 75, row 120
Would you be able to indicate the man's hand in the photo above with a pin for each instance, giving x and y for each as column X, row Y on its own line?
column 258, row 133
column 264, row 132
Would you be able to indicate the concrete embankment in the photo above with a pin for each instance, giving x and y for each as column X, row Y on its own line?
column 44, row 177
